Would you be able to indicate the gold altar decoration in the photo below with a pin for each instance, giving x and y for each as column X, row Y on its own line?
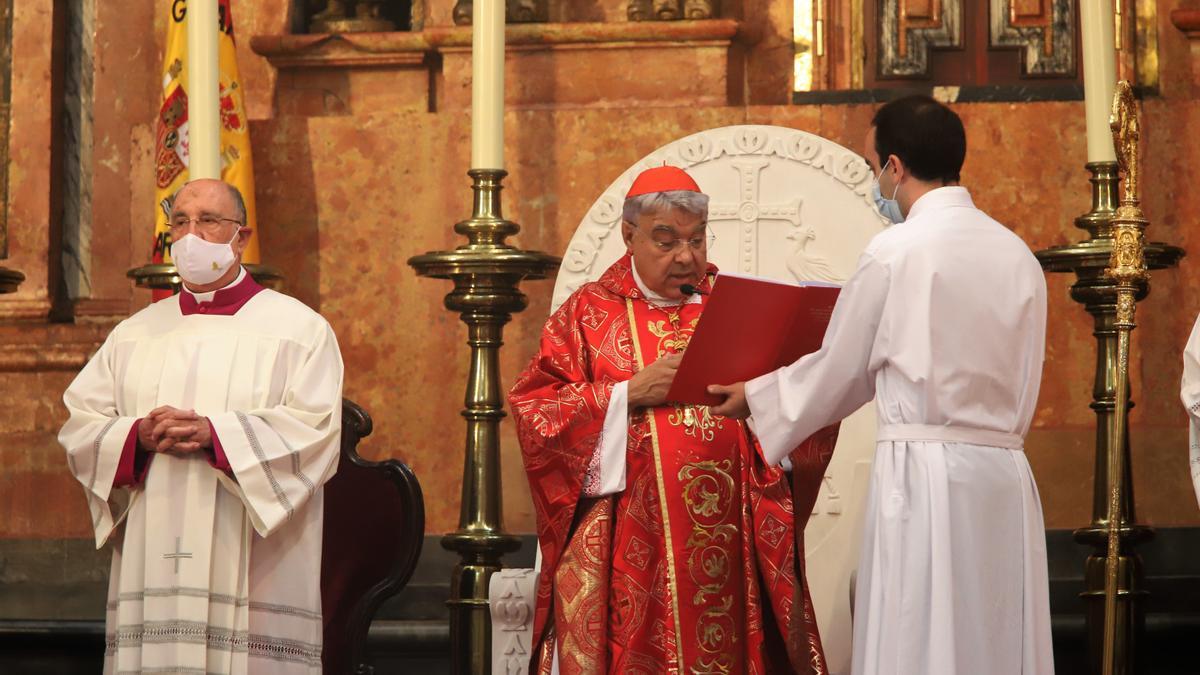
column 1111, row 268
column 350, row 16
column 1126, row 268
column 485, row 272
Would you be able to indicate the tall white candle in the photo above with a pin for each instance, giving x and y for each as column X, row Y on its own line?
column 1099, row 76
column 203, row 71
column 487, row 85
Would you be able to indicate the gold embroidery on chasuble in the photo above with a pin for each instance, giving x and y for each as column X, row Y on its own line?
column 581, row 582
column 662, row 577
column 698, row 468
column 674, row 333
column 697, row 421
column 663, row 636
column 710, row 492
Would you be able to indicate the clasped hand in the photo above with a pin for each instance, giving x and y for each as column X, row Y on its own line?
column 168, row 429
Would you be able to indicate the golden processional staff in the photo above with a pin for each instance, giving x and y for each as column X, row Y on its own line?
column 1126, row 267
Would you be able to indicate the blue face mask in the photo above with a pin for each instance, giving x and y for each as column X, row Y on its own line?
column 888, row 208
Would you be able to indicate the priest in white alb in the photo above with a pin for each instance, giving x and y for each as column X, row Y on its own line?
column 202, row 433
column 943, row 324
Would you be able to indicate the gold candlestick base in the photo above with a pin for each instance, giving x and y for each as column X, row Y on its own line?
column 9, row 280
column 164, row 276
column 485, row 272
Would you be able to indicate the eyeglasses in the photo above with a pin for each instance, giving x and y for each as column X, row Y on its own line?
column 205, row 224
column 695, row 243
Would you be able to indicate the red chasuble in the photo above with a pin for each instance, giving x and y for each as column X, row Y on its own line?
column 693, row 567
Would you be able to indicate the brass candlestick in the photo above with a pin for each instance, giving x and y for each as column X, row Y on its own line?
column 485, row 272
column 1110, row 298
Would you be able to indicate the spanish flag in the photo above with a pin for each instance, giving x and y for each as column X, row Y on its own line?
column 171, row 138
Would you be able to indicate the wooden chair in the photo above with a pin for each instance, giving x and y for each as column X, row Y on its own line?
column 374, row 527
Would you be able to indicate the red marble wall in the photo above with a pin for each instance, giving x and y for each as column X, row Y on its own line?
column 355, row 176
column 562, row 159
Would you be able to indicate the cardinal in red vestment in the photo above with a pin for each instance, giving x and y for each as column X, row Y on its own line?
column 668, row 545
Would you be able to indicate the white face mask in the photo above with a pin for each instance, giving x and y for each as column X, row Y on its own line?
column 202, row 262
column 888, row 208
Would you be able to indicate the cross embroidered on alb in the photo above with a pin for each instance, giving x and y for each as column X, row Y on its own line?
column 177, row 555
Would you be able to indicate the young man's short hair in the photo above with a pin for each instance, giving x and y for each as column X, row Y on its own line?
column 926, row 135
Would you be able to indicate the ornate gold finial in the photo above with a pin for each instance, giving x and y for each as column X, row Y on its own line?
column 1127, row 264
column 1126, row 131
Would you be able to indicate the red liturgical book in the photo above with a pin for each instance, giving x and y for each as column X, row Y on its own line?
column 750, row 327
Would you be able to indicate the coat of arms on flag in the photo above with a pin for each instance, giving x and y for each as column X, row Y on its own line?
column 171, row 133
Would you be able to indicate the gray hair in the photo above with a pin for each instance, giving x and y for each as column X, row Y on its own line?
column 695, row 203
column 239, row 203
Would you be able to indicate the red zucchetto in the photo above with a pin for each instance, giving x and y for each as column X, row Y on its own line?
column 662, row 179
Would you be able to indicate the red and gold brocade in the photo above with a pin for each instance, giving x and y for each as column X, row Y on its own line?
column 703, row 581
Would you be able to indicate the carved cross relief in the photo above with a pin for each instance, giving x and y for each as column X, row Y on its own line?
column 747, row 213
